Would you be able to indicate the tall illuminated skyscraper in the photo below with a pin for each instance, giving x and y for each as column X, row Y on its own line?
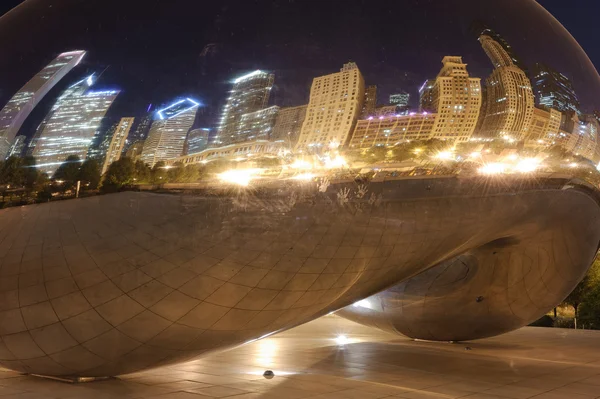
column 426, row 102
column 73, row 122
column 336, row 101
column 554, row 90
column 17, row 147
column 370, row 101
column 117, row 142
column 24, row 101
column 509, row 101
column 456, row 100
column 250, row 93
column 169, row 130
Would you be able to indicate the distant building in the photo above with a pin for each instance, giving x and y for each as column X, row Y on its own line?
column 456, row 100
column 586, row 143
column 385, row 110
column 336, row 101
column 426, row 101
column 256, row 125
column 169, row 131
column 554, row 90
column 288, row 124
column 233, row 151
column 117, row 142
column 400, row 99
column 479, row 29
column 197, row 140
column 510, row 100
column 249, row 94
column 17, row 147
column 140, row 132
column 392, row 130
column 135, row 150
column 25, row 100
column 370, row 101
column 73, row 124
column 545, row 128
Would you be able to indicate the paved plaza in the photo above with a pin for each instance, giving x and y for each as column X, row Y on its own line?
column 315, row 361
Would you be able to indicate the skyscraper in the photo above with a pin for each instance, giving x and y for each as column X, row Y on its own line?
column 510, row 101
column 288, row 125
column 336, row 101
column 117, row 142
column 140, row 132
column 250, row 93
column 370, row 101
column 478, row 29
column 456, row 100
column 169, row 131
column 17, row 147
column 400, row 99
column 24, row 101
column 73, row 123
column 545, row 128
column 197, row 140
column 554, row 90
column 426, row 103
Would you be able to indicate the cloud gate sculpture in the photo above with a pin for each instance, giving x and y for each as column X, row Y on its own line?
column 430, row 173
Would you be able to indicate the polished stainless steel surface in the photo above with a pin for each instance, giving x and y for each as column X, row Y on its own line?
column 117, row 283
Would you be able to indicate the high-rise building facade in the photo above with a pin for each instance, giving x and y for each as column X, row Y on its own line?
column 545, row 128
column 392, row 130
column 336, row 101
column 72, row 126
column 135, row 150
column 17, row 147
column 400, row 99
column 456, row 100
column 250, row 93
column 256, row 125
column 288, row 125
column 169, row 130
column 24, row 101
column 509, row 100
column 554, row 90
column 370, row 101
column 426, row 101
column 197, row 140
column 117, row 142
column 140, row 132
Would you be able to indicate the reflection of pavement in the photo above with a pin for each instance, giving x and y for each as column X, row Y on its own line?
column 119, row 283
column 551, row 363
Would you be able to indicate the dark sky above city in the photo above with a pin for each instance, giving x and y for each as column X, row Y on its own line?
column 156, row 51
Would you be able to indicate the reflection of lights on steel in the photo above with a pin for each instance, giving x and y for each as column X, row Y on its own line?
column 334, row 145
column 445, row 155
column 301, row 164
column 475, row 154
column 527, row 165
column 341, row 340
column 337, row 162
column 513, row 157
column 267, row 349
column 363, row 304
column 241, row 177
column 304, row 176
column 493, row 168
column 573, row 165
column 167, row 167
column 418, row 151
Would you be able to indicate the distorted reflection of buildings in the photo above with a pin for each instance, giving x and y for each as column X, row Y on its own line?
column 336, row 101
column 17, row 147
column 237, row 152
column 554, row 90
column 117, row 142
column 370, row 102
column 288, row 124
column 249, row 94
column 197, row 140
column 72, row 124
column 509, row 102
column 426, row 103
column 20, row 106
column 400, row 99
column 134, row 152
column 140, row 132
column 169, row 131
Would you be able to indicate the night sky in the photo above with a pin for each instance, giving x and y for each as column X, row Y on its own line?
column 156, row 51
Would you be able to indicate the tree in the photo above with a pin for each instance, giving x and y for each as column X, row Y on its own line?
column 12, row 172
column 176, row 173
column 142, row 172
column 586, row 292
column 68, row 171
column 89, row 174
column 30, row 173
column 120, row 173
column 159, row 173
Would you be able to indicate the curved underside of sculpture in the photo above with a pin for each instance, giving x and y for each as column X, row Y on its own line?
column 118, row 283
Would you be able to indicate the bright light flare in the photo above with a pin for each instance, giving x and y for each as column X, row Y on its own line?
column 337, row 162
column 527, row 165
column 342, row 340
column 301, row 164
column 573, row 165
column 445, row 155
column 240, row 177
column 475, row 154
column 493, row 168
column 304, row 176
